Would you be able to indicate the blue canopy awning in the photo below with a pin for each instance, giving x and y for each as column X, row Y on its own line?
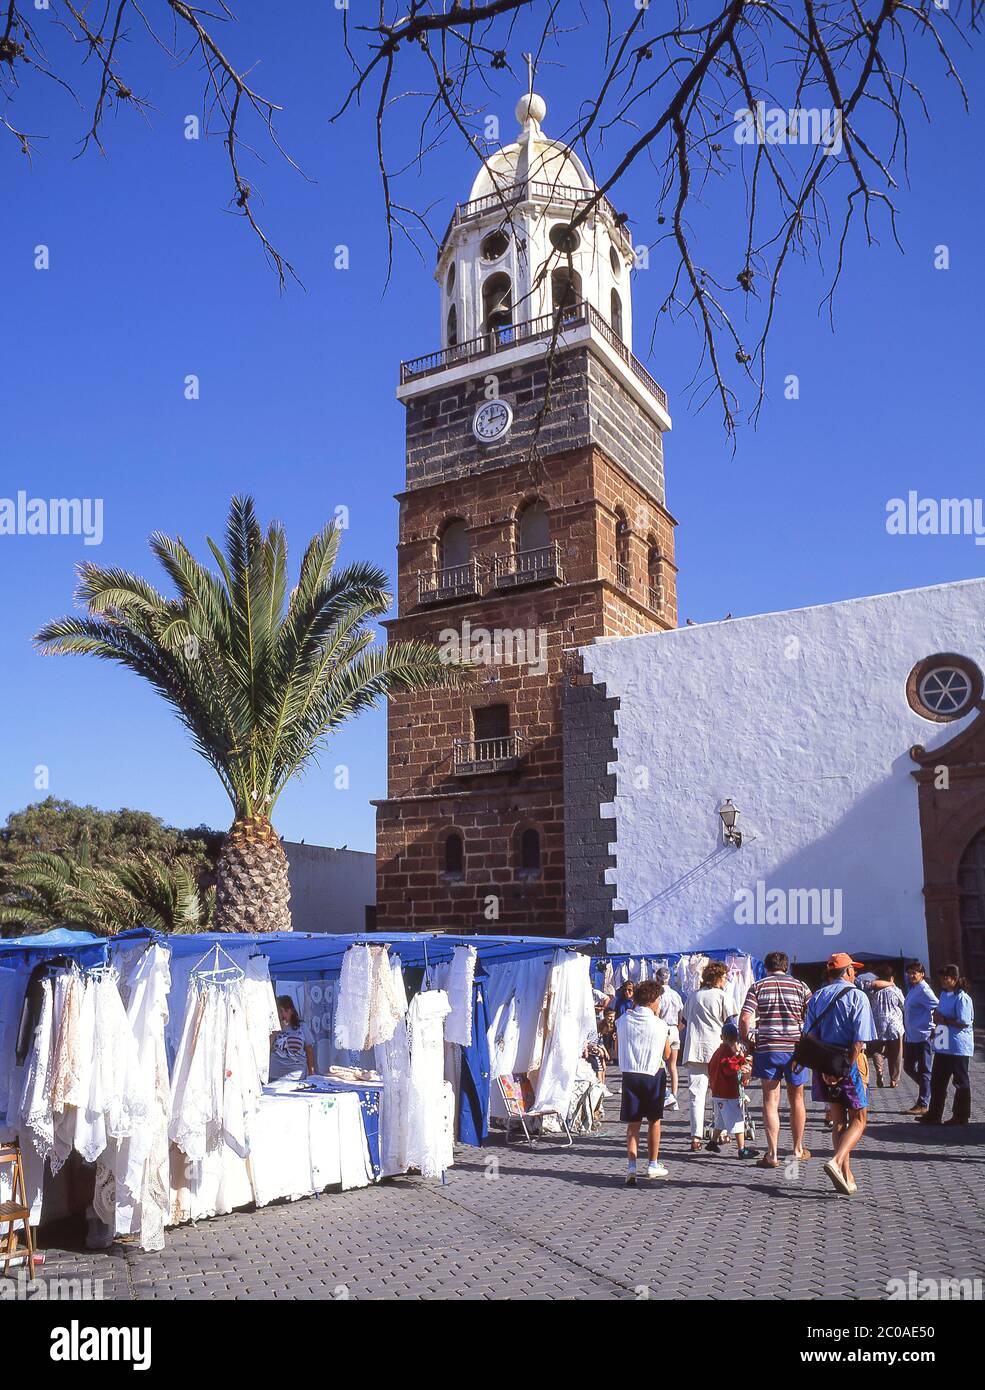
column 57, row 937
column 299, row 955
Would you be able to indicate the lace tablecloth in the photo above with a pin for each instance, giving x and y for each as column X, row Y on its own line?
column 302, row 1143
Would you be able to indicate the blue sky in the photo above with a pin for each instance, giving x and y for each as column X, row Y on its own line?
column 150, row 280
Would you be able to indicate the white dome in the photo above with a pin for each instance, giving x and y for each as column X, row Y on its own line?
column 537, row 158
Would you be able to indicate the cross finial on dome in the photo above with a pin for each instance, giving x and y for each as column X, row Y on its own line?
column 531, row 108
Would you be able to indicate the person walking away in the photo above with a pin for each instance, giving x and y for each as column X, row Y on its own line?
column 840, row 1017
column 918, row 1025
column 887, row 1002
column 705, row 1014
column 644, row 1047
column 729, row 1069
column 954, row 1044
column 773, row 1016
column 671, row 1011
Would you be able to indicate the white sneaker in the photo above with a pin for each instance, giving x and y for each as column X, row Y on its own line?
column 657, row 1170
column 671, row 1103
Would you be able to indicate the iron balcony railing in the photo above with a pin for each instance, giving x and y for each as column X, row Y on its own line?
column 501, row 339
column 655, row 597
column 487, row 754
column 537, row 191
column 454, row 581
column 528, row 566
column 622, row 576
column 496, row 340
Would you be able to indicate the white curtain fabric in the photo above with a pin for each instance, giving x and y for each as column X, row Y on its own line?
column 384, row 1008
column 35, row 1118
column 132, row 1175
column 456, row 978
column 428, row 1100
column 262, row 1017
column 570, row 1024
column 738, row 981
column 367, row 1011
column 392, row 1060
column 119, row 1084
column 82, row 1083
column 196, row 1087
column 90, row 1125
column 67, row 1065
column 216, row 1089
column 352, row 1006
column 182, row 969
column 516, row 996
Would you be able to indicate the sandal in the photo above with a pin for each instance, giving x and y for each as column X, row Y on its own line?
column 804, row 1155
column 696, row 1146
column 838, row 1180
column 767, row 1162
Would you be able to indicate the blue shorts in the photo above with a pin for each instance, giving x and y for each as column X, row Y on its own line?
column 778, row 1066
column 642, row 1096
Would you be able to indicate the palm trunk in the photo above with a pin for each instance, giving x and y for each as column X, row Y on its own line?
column 252, row 887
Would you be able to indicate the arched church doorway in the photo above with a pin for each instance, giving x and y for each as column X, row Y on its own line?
column 971, row 885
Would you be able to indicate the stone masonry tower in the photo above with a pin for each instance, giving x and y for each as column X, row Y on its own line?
column 532, row 522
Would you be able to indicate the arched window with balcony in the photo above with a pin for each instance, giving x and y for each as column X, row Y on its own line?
column 497, row 303
column 615, row 313
column 455, row 549
column 455, row 573
column 532, row 530
column 622, row 549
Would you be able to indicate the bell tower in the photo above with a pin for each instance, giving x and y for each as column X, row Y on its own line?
column 532, row 521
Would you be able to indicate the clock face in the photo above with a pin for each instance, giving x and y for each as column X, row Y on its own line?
column 492, row 420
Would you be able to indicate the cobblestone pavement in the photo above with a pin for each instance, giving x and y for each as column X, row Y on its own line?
column 558, row 1223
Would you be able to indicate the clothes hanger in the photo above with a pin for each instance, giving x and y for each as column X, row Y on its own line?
column 216, row 971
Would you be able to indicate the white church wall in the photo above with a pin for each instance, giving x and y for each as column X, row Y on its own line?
column 802, row 719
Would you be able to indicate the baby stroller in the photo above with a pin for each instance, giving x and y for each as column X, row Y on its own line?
column 718, row 1126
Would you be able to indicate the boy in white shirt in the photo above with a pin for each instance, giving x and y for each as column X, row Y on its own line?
column 644, row 1047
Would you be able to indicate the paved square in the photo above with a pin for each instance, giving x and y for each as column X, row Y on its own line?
column 557, row 1223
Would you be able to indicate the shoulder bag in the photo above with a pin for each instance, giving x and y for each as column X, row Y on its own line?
column 820, row 1056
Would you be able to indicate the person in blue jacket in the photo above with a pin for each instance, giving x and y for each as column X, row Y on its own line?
column 918, row 1025
column 954, row 1043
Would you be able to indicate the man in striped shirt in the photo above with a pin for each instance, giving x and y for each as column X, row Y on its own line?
column 772, row 1019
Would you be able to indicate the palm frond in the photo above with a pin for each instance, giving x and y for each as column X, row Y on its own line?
column 257, row 675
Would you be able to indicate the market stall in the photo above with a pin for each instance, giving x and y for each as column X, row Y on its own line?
column 144, row 1060
column 612, row 970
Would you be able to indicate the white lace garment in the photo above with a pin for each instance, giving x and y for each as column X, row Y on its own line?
column 427, row 1102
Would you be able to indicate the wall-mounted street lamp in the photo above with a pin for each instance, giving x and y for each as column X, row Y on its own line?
column 730, row 817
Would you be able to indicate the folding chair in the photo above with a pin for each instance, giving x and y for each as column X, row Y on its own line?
column 518, row 1109
column 18, row 1209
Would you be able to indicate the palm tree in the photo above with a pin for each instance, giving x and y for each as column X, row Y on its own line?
column 48, row 889
column 257, row 675
column 164, row 897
